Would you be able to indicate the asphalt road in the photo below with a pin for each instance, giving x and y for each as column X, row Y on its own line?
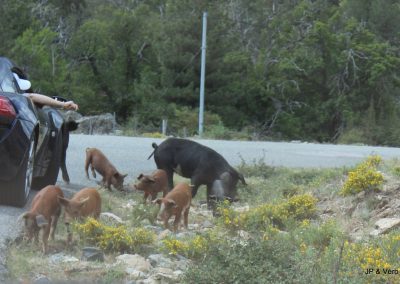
column 129, row 155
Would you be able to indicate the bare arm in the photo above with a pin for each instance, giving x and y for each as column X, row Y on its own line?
column 45, row 100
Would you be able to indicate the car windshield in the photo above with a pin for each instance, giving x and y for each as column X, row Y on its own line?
column 6, row 78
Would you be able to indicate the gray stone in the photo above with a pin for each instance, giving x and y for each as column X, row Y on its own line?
column 71, row 115
column 92, row 254
column 135, row 261
column 111, row 216
column 62, row 258
column 164, row 234
column 165, row 275
column 135, row 274
column 41, row 279
column 385, row 225
column 207, row 224
column 161, row 261
column 97, row 124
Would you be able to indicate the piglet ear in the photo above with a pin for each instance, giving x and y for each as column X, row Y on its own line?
column 41, row 221
column 157, row 201
column 63, row 201
column 171, row 202
column 83, row 201
column 118, row 175
column 151, row 179
column 23, row 216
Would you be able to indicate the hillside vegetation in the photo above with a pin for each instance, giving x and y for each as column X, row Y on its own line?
column 314, row 70
column 290, row 226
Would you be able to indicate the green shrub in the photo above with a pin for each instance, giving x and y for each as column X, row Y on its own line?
column 257, row 261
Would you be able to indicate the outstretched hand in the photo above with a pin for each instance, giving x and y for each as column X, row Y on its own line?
column 70, row 105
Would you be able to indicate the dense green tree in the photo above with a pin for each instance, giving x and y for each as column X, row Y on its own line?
column 285, row 69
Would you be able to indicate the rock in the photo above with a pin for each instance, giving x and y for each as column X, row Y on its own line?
column 244, row 235
column 161, row 261
column 135, row 274
column 41, row 279
column 207, row 224
column 164, row 234
column 134, row 261
column 111, row 216
column 194, row 226
column 185, row 234
column 166, row 275
column 384, row 225
column 242, row 209
column 155, row 229
column 71, row 115
column 62, row 258
column 150, row 280
column 92, row 254
column 131, row 203
column 97, row 124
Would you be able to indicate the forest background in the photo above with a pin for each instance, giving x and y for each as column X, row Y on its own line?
column 311, row 70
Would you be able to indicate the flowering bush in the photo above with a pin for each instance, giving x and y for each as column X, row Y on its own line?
column 380, row 257
column 364, row 177
column 193, row 248
column 298, row 207
column 113, row 238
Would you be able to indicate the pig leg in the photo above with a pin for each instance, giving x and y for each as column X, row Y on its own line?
column 165, row 191
column 69, row 235
column 177, row 220
column 54, row 220
column 36, row 237
column 170, row 177
column 87, row 162
column 186, row 217
column 108, row 183
column 45, row 238
column 93, row 171
column 153, row 195
column 146, row 195
column 166, row 225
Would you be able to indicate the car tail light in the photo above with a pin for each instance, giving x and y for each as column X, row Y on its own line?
column 7, row 110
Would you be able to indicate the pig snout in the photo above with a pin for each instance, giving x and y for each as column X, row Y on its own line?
column 67, row 219
column 161, row 216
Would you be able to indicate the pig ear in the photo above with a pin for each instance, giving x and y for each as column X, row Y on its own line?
column 41, row 221
column 83, row 201
column 171, row 202
column 151, row 179
column 157, row 201
column 140, row 176
column 63, row 201
column 118, row 175
column 241, row 177
column 225, row 176
column 24, row 215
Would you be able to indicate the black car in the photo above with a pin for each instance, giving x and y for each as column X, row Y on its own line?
column 33, row 139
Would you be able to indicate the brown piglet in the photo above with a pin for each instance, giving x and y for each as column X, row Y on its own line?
column 152, row 184
column 99, row 162
column 176, row 202
column 44, row 213
column 84, row 203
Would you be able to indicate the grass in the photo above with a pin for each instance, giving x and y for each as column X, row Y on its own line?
column 282, row 236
